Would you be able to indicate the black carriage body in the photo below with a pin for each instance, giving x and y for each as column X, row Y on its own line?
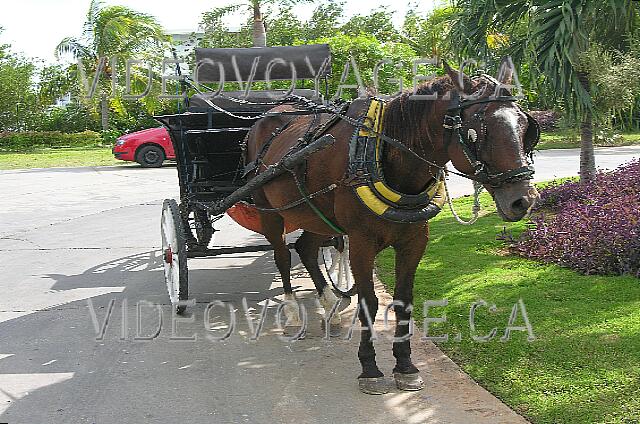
column 208, row 153
column 208, row 137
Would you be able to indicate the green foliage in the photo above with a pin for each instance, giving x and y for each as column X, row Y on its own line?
column 615, row 80
column 217, row 32
column 19, row 106
column 324, row 22
column 378, row 23
column 283, row 28
column 75, row 117
column 367, row 51
column 121, row 33
column 550, row 36
column 114, row 31
column 427, row 34
column 109, row 137
column 26, row 141
column 55, row 82
column 3, row 47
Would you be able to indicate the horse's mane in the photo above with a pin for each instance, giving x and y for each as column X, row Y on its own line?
column 404, row 119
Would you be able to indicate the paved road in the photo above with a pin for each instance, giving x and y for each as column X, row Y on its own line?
column 72, row 236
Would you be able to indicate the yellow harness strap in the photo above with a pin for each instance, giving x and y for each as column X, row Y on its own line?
column 381, row 199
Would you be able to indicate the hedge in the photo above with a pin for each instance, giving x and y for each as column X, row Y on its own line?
column 25, row 141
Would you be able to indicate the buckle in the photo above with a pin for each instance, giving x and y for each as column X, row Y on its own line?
column 452, row 122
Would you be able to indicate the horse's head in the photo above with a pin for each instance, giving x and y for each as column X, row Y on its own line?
column 490, row 138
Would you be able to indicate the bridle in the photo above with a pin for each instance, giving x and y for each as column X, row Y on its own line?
column 472, row 143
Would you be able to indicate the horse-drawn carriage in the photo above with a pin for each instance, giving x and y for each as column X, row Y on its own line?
column 370, row 169
column 208, row 141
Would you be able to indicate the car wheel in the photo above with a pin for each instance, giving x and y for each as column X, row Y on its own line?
column 150, row 156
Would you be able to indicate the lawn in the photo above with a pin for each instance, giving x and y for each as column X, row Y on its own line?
column 583, row 366
column 49, row 158
column 570, row 139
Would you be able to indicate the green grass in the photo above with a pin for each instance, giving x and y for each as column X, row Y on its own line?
column 570, row 139
column 49, row 158
column 583, row 367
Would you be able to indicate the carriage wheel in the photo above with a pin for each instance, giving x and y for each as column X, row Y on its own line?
column 337, row 270
column 174, row 254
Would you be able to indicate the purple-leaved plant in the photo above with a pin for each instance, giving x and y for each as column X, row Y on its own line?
column 592, row 228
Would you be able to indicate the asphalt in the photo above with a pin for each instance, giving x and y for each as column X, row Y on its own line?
column 73, row 241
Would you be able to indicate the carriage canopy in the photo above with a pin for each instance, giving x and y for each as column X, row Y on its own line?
column 265, row 63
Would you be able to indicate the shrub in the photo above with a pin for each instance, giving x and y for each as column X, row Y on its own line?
column 25, row 141
column 109, row 137
column 592, row 228
column 73, row 118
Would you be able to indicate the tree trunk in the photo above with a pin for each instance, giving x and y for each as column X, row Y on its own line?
column 587, row 155
column 259, row 32
column 104, row 112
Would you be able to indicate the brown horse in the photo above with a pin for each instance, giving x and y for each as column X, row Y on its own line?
column 419, row 126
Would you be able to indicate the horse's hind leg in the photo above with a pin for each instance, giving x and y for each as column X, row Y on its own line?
column 273, row 230
column 307, row 246
column 409, row 251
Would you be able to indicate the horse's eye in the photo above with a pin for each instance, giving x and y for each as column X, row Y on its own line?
column 472, row 135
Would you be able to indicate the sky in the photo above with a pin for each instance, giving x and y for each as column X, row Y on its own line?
column 35, row 27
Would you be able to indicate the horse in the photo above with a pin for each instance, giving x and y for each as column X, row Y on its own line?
column 500, row 137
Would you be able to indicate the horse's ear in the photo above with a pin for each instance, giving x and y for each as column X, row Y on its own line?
column 505, row 73
column 459, row 79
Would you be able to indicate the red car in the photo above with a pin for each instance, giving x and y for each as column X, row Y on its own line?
column 147, row 147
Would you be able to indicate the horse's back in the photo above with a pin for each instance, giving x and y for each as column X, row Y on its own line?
column 320, row 171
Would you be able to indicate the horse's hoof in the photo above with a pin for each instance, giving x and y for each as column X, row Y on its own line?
column 335, row 330
column 293, row 330
column 373, row 386
column 408, row 382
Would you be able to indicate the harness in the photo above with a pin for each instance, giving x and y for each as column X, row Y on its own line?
column 366, row 175
column 365, row 160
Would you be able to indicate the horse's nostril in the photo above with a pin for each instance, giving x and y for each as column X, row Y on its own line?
column 520, row 205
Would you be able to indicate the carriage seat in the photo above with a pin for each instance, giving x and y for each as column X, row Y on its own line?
column 198, row 104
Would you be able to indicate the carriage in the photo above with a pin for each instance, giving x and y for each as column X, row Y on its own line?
column 208, row 140
column 478, row 127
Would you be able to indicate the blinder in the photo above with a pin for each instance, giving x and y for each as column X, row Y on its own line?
column 532, row 136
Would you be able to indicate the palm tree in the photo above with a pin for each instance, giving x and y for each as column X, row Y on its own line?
column 259, row 32
column 551, row 35
column 112, row 31
column 427, row 35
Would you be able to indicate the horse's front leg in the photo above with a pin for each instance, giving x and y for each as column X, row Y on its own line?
column 409, row 251
column 362, row 253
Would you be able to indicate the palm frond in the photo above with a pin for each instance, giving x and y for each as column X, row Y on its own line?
column 73, row 47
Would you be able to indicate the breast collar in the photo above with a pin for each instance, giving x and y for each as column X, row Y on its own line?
column 366, row 175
